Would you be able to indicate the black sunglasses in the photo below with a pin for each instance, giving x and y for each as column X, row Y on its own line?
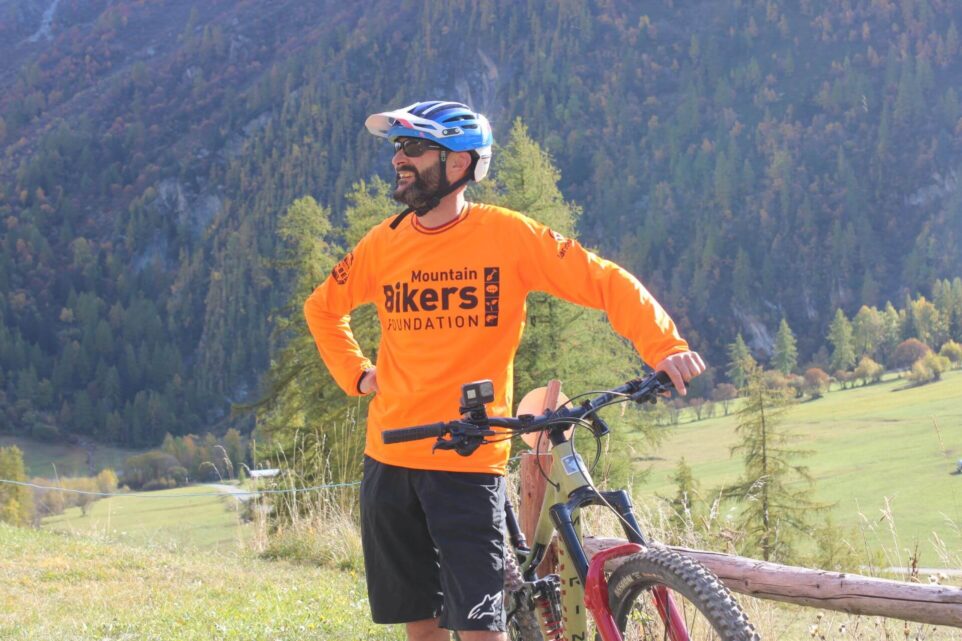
column 414, row 147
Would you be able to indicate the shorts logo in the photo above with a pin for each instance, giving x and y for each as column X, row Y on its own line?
column 342, row 269
column 490, row 606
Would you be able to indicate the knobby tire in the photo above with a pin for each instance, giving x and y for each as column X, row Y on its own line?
column 692, row 587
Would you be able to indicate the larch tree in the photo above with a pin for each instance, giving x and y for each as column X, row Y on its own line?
column 739, row 361
column 785, row 356
column 16, row 501
column 773, row 489
column 843, row 347
column 867, row 329
column 302, row 414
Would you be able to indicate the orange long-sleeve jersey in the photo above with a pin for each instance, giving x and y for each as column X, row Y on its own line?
column 451, row 303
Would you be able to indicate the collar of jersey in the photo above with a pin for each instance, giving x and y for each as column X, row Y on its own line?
column 443, row 228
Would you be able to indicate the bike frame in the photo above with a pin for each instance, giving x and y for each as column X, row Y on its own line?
column 570, row 488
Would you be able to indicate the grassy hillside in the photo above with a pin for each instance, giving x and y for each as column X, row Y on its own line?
column 70, row 460
column 877, row 451
column 170, row 519
column 59, row 586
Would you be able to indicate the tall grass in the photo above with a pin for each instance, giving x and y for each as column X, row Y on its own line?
column 316, row 519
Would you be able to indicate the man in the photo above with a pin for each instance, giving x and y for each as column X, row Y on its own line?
column 450, row 284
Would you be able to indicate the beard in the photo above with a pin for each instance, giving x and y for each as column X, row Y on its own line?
column 421, row 189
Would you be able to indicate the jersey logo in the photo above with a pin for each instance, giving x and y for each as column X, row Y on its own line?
column 564, row 244
column 343, row 269
column 490, row 606
column 456, row 298
column 492, row 295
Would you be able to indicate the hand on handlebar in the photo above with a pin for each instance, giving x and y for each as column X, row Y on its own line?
column 681, row 368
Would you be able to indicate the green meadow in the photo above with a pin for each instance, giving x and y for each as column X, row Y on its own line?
column 50, row 460
column 195, row 517
column 881, row 455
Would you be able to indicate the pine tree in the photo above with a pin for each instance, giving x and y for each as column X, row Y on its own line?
column 776, row 508
column 840, row 336
column 16, row 501
column 785, row 357
column 739, row 361
column 683, row 504
column 304, row 408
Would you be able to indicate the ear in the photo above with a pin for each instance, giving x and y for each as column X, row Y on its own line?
column 458, row 163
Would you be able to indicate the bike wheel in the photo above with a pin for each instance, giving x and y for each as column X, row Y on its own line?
column 703, row 605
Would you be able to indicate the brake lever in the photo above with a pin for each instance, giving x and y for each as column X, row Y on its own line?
column 465, row 438
column 658, row 385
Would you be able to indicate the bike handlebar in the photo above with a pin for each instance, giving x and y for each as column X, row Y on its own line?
column 413, row 433
column 638, row 390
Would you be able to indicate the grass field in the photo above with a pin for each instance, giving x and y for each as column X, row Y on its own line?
column 78, row 588
column 168, row 518
column 75, row 587
column 41, row 458
column 876, row 452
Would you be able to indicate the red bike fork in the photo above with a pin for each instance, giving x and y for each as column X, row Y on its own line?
column 596, row 598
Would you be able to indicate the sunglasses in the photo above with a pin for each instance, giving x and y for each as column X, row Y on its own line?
column 414, row 147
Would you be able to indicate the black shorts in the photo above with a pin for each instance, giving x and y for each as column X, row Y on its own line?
column 433, row 546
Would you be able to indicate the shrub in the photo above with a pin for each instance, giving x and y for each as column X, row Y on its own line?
column 797, row 383
column 163, row 483
column 952, row 351
column 107, row 481
column 844, row 378
column 869, row 370
column 141, row 469
column 816, row 382
column 908, row 352
column 697, row 406
column 45, row 432
column 928, row 369
column 775, row 380
column 724, row 393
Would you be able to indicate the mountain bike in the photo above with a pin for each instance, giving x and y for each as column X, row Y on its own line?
column 655, row 593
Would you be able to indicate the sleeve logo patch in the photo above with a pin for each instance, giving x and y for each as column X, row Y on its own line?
column 343, row 269
column 564, row 244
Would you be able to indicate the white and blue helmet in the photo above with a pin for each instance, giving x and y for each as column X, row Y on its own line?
column 452, row 125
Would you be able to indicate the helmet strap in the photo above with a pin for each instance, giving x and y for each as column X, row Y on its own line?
column 444, row 189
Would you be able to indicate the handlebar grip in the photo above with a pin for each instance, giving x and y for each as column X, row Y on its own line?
column 663, row 378
column 404, row 434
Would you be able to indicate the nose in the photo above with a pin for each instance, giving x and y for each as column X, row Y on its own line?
column 399, row 157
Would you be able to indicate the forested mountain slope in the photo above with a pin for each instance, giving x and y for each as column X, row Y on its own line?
column 749, row 160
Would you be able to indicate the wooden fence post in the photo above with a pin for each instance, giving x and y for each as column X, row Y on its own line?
column 533, row 483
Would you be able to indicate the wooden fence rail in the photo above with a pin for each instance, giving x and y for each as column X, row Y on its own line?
column 852, row 593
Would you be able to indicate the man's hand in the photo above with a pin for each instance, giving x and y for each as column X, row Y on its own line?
column 681, row 368
column 368, row 382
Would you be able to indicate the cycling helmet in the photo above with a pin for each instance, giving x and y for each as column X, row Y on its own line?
column 450, row 124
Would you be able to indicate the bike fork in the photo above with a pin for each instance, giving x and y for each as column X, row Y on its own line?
column 596, row 598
